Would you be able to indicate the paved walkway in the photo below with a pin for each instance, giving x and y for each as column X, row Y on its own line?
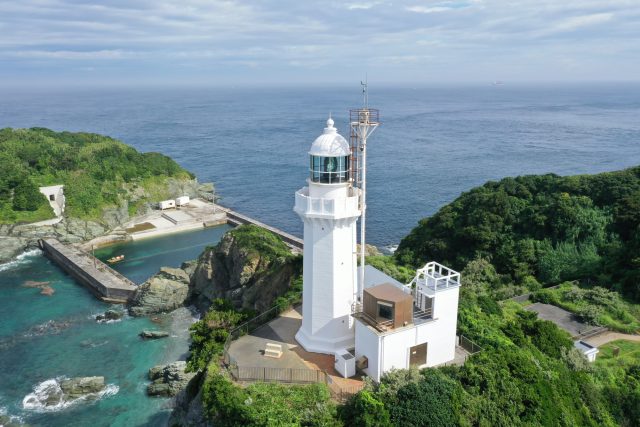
column 607, row 337
column 563, row 318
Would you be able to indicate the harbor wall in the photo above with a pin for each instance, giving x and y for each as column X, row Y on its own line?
column 104, row 282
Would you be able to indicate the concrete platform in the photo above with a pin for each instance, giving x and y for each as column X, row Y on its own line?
column 563, row 318
column 248, row 351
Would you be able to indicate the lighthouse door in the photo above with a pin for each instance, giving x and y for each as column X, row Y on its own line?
column 418, row 355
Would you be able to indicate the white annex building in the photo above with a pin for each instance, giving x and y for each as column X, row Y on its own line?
column 363, row 317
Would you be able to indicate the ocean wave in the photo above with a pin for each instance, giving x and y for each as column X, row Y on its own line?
column 21, row 259
column 47, row 396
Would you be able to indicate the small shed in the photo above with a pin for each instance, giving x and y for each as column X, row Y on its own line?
column 588, row 350
column 167, row 204
column 182, row 201
column 388, row 305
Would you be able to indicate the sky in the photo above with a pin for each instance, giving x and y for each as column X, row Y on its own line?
column 196, row 42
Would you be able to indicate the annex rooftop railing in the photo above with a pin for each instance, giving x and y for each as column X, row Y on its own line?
column 434, row 277
column 343, row 207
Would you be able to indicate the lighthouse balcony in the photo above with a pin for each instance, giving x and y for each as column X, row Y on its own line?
column 343, row 207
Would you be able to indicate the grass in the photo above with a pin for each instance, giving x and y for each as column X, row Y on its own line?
column 629, row 353
column 593, row 305
column 44, row 212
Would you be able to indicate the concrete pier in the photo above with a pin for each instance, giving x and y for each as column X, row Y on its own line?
column 103, row 281
column 235, row 219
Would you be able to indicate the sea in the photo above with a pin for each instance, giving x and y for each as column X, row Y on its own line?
column 434, row 143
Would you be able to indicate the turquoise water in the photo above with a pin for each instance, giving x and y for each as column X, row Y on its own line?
column 45, row 337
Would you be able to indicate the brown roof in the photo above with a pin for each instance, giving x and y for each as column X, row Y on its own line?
column 388, row 292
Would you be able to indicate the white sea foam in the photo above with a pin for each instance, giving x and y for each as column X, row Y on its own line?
column 12, row 418
column 47, row 396
column 23, row 258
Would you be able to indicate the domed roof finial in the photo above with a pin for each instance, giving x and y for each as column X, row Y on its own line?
column 330, row 121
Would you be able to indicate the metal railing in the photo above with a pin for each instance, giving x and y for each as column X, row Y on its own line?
column 248, row 327
column 282, row 375
column 469, row 345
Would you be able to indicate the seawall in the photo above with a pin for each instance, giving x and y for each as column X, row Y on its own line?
column 235, row 219
column 103, row 281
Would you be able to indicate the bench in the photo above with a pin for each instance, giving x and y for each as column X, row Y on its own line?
column 273, row 350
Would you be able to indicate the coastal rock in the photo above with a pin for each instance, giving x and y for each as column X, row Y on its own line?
column 73, row 230
column 77, row 387
column 47, row 291
column 168, row 380
column 162, row 293
column 110, row 315
column 369, row 250
column 10, row 247
column 250, row 266
column 174, row 274
column 6, row 421
column 116, row 217
column 153, row 334
column 188, row 410
column 206, row 191
column 189, row 267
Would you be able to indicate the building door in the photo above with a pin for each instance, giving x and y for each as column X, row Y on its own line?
column 418, row 355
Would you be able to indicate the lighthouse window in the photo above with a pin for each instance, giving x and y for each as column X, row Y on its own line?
column 329, row 170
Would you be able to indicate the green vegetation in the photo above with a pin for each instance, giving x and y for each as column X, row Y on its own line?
column 260, row 242
column 546, row 227
column 209, row 334
column 628, row 354
column 266, row 404
column 97, row 172
column 387, row 265
column 594, row 305
column 518, row 235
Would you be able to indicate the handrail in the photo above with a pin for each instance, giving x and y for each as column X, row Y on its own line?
column 246, row 327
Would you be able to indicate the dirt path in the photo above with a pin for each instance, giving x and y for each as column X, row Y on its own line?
column 607, row 337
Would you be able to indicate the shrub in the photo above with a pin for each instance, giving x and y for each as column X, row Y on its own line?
column 433, row 401
column 364, row 409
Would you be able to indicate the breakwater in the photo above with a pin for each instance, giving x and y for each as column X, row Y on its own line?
column 235, row 219
column 103, row 281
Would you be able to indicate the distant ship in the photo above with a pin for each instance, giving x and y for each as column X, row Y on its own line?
column 498, row 83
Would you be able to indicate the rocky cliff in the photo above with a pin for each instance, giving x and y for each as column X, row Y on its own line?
column 250, row 267
column 163, row 292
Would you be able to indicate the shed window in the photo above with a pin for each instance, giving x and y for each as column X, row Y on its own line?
column 385, row 310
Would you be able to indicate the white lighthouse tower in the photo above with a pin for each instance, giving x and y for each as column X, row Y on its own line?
column 329, row 208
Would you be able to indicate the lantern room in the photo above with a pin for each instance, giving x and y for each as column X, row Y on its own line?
column 329, row 158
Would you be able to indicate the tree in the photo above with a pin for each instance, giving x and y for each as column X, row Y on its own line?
column 433, row 401
column 27, row 197
column 365, row 410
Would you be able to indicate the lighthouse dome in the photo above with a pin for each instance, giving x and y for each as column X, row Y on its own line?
column 330, row 143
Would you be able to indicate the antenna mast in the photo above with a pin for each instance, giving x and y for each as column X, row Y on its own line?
column 363, row 122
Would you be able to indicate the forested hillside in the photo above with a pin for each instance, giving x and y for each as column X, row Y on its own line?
column 540, row 229
column 97, row 171
column 506, row 237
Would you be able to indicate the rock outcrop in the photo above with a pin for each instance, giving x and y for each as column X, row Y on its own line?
column 11, row 247
column 188, row 410
column 153, row 335
column 168, row 380
column 250, row 266
column 78, row 387
column 110, row 315
column 162, row 293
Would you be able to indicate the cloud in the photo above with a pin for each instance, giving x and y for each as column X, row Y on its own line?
column 289, row 40
column 576, row 22
column 422, row 9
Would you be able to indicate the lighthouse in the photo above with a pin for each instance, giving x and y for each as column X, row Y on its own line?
column 329, row 208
